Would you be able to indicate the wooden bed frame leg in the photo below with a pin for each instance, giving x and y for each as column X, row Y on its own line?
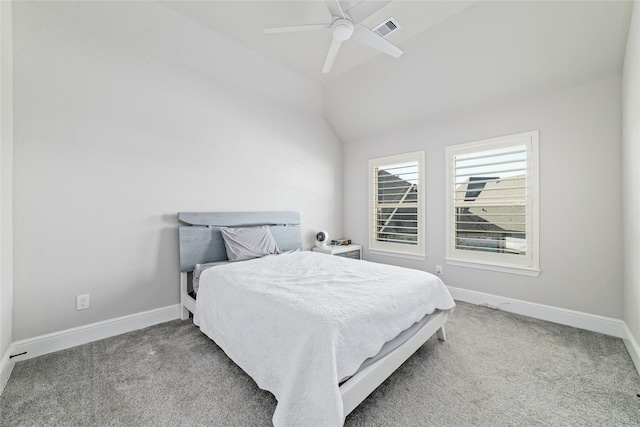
column 442, row 335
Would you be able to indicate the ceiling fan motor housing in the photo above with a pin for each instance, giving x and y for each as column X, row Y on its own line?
column 342, row 29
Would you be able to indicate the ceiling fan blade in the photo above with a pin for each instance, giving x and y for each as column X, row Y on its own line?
column 331, row 55
column 293, row 28
column 365, row 9
column 335, row 8
column 367, row 37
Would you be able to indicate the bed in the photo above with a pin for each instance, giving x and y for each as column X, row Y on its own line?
column 305, row 326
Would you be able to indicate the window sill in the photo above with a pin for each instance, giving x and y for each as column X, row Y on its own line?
column 397, row 254
column 522, row 271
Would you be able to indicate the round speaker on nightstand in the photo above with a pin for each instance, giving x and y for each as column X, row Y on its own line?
column 322, row 237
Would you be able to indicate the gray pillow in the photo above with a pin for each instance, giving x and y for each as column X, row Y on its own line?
column 247, row 243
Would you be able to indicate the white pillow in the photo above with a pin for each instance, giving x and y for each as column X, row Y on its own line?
column 247, row 243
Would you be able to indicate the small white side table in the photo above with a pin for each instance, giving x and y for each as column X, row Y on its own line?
column 347, row 251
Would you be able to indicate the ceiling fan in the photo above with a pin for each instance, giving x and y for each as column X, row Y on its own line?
column 345, row 25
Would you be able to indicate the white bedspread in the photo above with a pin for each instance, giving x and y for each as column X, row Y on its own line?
column 299, row 322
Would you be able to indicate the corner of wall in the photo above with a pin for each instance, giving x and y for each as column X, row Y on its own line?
column 631, row 179
column 6, row 366
column 632, row 347
column 6, row 188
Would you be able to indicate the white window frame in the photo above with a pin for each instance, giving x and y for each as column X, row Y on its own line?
column 398, row 249
column 518, row 264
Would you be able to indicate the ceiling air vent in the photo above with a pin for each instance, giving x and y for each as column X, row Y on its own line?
column 387, row 27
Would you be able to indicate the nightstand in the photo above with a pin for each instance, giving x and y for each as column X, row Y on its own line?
column 348, row 251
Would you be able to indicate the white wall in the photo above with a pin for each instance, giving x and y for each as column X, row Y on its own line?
column 127, row 113
column 6, row 160
column 631, row 177
column 580, row 196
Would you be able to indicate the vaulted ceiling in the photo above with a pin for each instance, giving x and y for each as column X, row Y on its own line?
column 305, row 51
column 458, row 55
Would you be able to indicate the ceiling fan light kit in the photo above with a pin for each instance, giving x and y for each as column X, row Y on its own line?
column 345, row 25
column 342, row 29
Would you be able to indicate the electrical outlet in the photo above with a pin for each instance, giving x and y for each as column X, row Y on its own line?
column 82, row 302
column 438, row 269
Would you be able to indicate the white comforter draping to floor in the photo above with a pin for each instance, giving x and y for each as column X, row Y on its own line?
column 299, row 322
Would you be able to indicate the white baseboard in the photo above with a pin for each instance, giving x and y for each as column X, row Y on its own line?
column 632, row 347
column 6, row 366
column 563, row 316
column 56, row 341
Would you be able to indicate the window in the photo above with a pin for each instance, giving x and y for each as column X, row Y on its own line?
column 396, row 204
column 492, row 204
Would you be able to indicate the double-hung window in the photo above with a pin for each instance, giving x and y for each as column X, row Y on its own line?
column 396, row 204
column 492, row 204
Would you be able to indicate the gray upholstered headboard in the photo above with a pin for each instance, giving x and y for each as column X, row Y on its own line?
column 201, row 240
